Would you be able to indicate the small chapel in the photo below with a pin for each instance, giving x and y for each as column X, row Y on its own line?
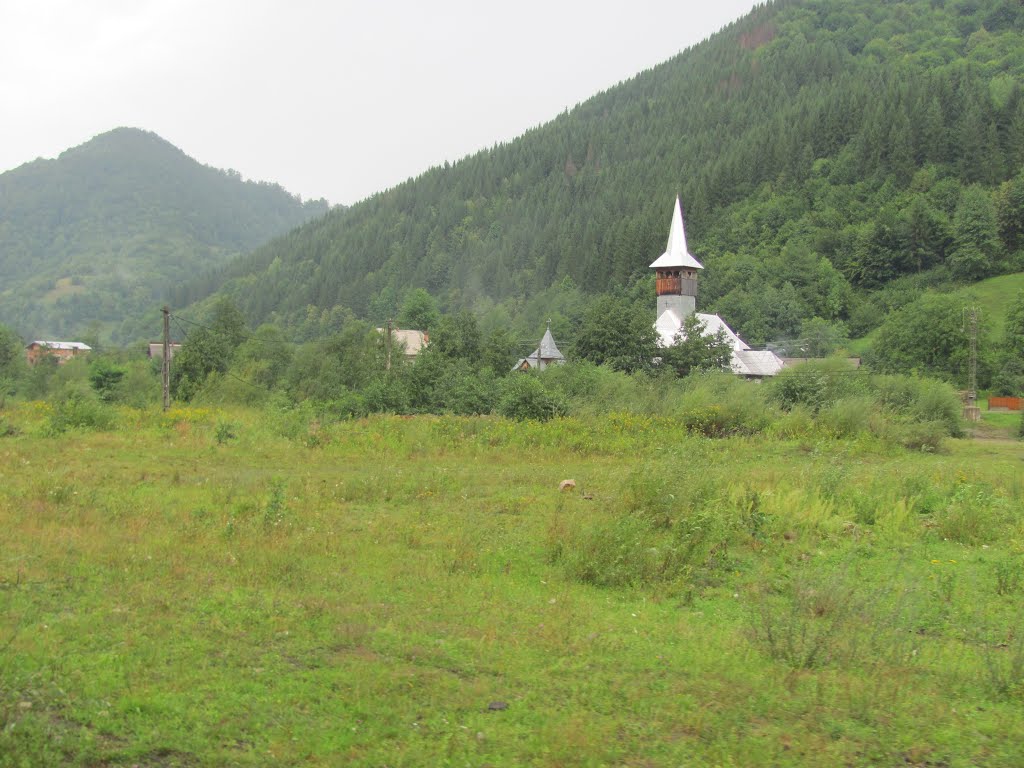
column 676, row 273
column 546, row 355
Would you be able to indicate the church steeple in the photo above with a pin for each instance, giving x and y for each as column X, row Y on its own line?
column 676, row 271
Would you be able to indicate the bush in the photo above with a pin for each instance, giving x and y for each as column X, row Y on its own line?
column 524, row 398
column 848, row 417
column 938, row 403
column 974, row 515
column 925, row 436
column 718, row 405
column 78, row 407
column 816, row 384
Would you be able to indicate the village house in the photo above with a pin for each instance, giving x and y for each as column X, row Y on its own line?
column 676, row 288
column 412, row 342
column 544, row 355
column 61, row 350
column 156, row 349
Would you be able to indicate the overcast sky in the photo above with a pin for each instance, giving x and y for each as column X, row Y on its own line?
column 329, row 99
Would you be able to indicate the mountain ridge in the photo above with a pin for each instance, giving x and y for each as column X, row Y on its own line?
column 821, row 151
column 98, row 234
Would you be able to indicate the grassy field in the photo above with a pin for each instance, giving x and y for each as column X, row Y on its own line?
column 209, row 588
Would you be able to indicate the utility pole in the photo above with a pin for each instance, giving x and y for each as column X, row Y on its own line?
column 971, row 411
column 387, row 364
column 166, row 365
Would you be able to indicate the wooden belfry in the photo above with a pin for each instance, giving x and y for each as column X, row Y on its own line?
column 676, row 272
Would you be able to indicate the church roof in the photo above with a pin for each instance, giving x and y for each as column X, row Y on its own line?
column 676, row 254
column 749, row 362
column 546, row 354
column 669, row 323
column 744, row 362
column 548, row 349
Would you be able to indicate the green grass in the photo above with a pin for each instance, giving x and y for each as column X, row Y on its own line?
column 363, row 593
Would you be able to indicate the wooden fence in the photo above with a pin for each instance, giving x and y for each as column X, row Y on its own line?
column 1007, row 403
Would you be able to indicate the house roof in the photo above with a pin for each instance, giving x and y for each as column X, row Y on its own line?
column 413, row 340
column 676, row 253
column 62, row 345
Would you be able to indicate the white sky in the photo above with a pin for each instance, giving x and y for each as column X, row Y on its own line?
column 329, row 99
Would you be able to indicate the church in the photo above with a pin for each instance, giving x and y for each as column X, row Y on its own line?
column 676, row 286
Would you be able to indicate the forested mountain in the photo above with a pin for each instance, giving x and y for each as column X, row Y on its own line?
column 833, row 156
column 102, row 233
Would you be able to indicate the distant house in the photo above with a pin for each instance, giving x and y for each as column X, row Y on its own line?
column 412, row 341
column 789, row 362
column 61, row 350
column 156, row 349
column 676, row 286
column 543, row 356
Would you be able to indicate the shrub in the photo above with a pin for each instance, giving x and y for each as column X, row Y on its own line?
column 224, row 432
column 798, row 422
column 926, row 436
column 974, row 515
column 718, row 405
column 815, row 384
column 524, row 398
column 78, row 407
column 387, row 394
column 625, row 552
column 938, row 403
column 847, row 417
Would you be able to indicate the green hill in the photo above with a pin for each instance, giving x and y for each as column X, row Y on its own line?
column 822, row 150
column 994, row 297
column 103, row 232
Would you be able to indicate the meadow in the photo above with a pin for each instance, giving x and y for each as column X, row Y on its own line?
column 239, row 587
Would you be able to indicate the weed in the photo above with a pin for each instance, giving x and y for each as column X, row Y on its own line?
column 974, row 515
column 1009, row 576
column 806, row 625
column 1004, row 665
column 275, row 510
column 945, row 585
column 224, row 432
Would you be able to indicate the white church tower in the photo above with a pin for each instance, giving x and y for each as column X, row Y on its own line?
column 676, row 272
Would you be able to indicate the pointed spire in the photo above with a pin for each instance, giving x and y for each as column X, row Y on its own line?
column 677, row 235
column 676, row 253
column 547, row 349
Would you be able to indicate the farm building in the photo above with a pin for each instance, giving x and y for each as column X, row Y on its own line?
column 676, row 286
column 61, row 350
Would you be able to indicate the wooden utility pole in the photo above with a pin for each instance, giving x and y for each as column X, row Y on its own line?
column 387, row 364
column 971, row 411
column 166, row 365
